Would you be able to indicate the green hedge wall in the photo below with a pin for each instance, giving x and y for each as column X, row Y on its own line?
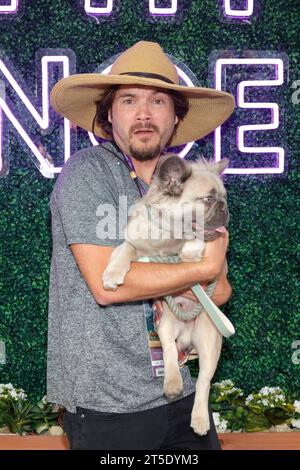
column 263, row 227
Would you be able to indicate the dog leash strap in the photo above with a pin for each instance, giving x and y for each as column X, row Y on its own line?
column 223, row 324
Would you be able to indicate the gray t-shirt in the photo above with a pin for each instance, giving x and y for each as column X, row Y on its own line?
column 98, row 357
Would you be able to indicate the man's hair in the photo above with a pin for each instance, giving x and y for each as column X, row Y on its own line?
column 181, row 106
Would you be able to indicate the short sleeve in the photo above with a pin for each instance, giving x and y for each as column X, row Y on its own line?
column 85, row 198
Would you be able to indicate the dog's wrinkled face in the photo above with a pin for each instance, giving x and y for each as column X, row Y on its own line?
column 197, row 183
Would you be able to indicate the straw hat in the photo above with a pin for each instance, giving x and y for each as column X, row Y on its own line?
column 145, row 63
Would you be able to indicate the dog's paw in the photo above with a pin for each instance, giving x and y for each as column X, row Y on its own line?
column 113, row 277
column 200, row 423
column 173, row 388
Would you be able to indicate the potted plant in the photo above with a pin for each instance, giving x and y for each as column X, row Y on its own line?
column 262, row 420
column 20, row 417
column 266, row 409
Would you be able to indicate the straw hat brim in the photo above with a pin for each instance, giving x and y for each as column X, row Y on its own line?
column 74, row 98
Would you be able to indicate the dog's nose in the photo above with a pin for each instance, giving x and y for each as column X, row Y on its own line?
column 222, row 206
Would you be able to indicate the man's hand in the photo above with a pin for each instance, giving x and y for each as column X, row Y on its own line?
column 221, row 294
column 215, row 251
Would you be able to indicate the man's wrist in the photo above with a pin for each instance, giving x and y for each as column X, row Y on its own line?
column 208, row 271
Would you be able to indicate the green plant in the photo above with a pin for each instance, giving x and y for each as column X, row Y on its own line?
column 232, row 411
column 21, row 416
column 271, row 406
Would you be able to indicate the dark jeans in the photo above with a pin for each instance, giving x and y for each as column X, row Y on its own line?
column 166, row 427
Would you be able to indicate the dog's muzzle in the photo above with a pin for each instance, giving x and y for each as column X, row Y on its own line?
column 217, row 218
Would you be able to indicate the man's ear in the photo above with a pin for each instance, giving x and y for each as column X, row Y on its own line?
column 109, row 115
column 176, row 120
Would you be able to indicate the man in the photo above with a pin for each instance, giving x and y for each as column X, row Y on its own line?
column 99, row 364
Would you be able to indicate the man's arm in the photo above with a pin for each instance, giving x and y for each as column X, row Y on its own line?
column 223, row 289
column 147, row 280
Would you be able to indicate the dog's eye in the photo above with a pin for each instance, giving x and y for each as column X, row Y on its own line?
column 208, row 199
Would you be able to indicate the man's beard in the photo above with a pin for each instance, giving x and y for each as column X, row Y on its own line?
column 144, row 152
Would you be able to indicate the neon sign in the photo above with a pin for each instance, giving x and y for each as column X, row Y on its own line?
column 105, row 8
column 232, row 13
column 10, row 8
column 38, row 152
column 97, row 11
column 155, row 10
column 244, row 88
column 65, row 61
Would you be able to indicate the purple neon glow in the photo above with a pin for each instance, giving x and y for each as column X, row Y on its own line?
column 43, row 120
column 228, row 11
column 154, row 10
column 186, row 79
column 1, row 139
column 45, row 168
column 12, row 8
column 92, row 10
column 274, row 124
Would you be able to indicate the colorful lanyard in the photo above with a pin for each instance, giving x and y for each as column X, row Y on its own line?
column 133, row 174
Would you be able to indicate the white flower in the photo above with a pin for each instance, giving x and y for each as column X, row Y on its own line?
column 270, row 396
column 22, row 395
column 264, row 391
column 272, row 391
column 8, row 391
column 227, row 390
column 5, row 389
column 224, row 383
column 249, row 398
column 234, row 390
column 227, row 383
column 297, row 406
column 222, row 427
column 296, row 423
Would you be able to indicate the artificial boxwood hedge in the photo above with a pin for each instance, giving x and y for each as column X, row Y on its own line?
column 263, row 226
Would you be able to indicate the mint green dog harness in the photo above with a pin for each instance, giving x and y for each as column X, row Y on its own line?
column 223, row 324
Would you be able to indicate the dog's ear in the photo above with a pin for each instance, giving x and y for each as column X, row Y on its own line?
column 172, row 172
column 217, row 168
column 220, row 166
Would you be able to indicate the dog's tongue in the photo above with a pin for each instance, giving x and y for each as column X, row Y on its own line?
column 221, row 229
